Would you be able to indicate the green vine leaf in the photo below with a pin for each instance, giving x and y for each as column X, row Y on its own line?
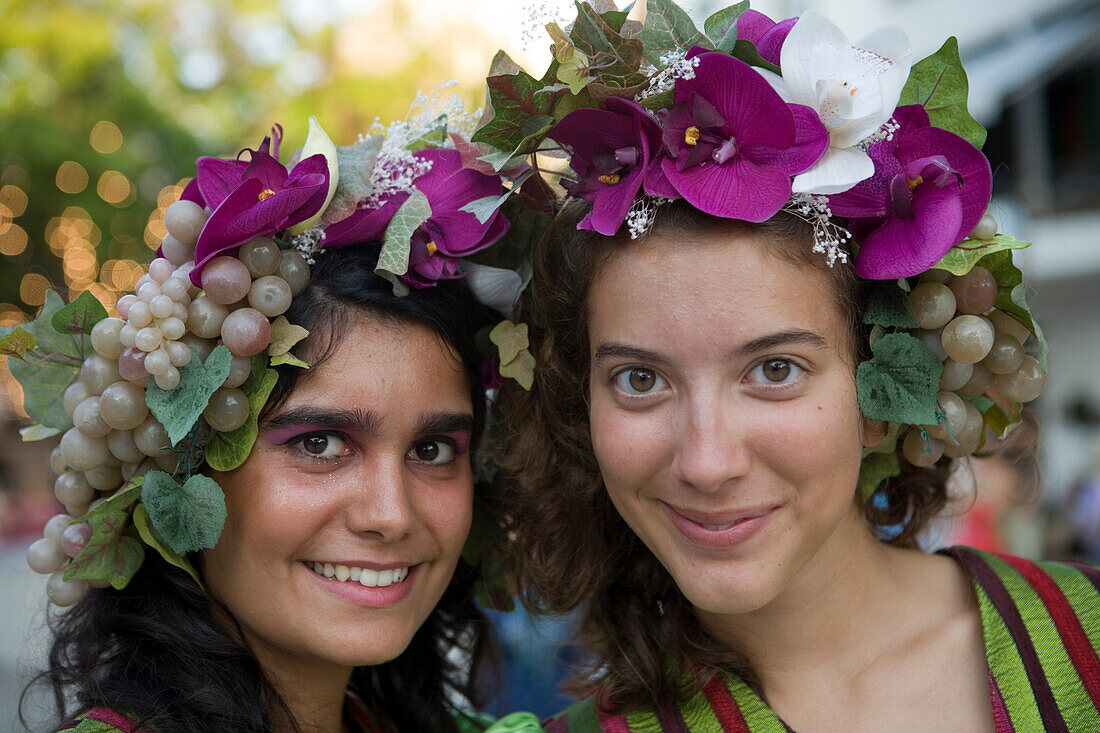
column 80, row 315
column 876, row 468
column 290, row 360
column 899, row 384
column 939, row 84
column 36, row 432
column 523, row 111
column 393, row 260
column 148, row 536
column 667, row 27
column 888, row 306
column 521, row 369
column 284, row 335
column 179, row 409
column 721, row 27
column 617, row 59
column 17, row 343
column 227, row 451
column 1012, row 296
column 111, row 555
column 48, row 370
column 961, row 258
column 190, row 517
column 510, row 340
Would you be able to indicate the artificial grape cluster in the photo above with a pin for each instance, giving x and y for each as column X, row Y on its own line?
column 981, row 347
column 165, row 323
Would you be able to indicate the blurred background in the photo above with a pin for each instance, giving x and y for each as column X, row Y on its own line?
column 105, row 104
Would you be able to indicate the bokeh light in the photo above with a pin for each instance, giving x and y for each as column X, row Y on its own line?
column 13, row 240
column 33, row 288
column 71, row 177
column 105, row 137
column 14, row 198
column 116, row 189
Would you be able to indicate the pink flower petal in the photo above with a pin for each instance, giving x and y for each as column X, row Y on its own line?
column 737, row 190
column 901, row 248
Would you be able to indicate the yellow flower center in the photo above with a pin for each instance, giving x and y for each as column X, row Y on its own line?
column 691, row 135
column 432, row 248
column 265, row 194
column 610, row 179
column 914, row 182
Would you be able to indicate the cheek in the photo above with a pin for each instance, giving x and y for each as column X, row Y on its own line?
column 629, row 446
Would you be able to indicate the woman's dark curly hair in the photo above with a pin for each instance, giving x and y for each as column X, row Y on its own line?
column 160, row 649
column 564, row 520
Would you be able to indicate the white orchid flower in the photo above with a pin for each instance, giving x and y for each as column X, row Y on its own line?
column 495, row 287
column 854, row 87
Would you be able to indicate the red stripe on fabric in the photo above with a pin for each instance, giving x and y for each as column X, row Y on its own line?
column 725, row 707
column 559, row 725
column 612, row 723
column 113, row 717
column 1006, row 607
column 1091, row 572
column 1074, row 638
column 1002, row 723
column 672, row 720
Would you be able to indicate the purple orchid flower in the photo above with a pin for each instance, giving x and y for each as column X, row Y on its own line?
column 255, row 199
column 448, row 234
column 764, row 33
column 733, row 143
column 612, row 155
column 928, row 192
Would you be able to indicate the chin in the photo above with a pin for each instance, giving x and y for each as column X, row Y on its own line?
column 726, row 591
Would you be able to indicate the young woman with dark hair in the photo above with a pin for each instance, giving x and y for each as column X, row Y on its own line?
column 735, row 436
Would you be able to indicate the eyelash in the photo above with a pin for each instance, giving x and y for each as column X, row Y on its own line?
column 450, row 448
column 297, row 443
column 623, row 385
column 797, row 372
column 445, row 442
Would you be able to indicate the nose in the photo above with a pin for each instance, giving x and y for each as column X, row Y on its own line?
column 711, row 447
column 378, row 500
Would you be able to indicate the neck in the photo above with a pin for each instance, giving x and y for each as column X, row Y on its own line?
column 841, row 608
column 312, row 690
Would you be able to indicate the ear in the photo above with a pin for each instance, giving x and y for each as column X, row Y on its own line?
column 873, row 432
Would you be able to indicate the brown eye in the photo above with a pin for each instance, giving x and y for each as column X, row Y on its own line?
column 637, row 380
column 434, row 451
column 315, row 444
column 321, row 445
column 776, row 370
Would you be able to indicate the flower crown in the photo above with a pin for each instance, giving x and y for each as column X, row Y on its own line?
column 750, row 117
column 177, row 381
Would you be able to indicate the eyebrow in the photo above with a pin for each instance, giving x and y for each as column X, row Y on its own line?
column 364, row 421
column 445, row 422
column 763, row 343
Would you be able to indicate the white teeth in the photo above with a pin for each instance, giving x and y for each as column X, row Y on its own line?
column 363, row 576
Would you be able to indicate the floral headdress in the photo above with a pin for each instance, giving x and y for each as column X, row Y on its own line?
column 177, row 381
column 750, row 117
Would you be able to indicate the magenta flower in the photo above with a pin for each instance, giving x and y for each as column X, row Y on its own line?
column 612, row 152
column 448, row 234
column 733, row 143
column 254, row 199
column 928, row 192
column 764, row 33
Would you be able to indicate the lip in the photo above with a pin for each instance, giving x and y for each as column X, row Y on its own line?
column 361, row 595
column 738, row 526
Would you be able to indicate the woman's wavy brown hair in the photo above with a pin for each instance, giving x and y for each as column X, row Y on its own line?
column 571, row 548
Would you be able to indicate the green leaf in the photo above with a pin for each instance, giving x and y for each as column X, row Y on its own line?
column 17, row 343
column 53, row 366
column 111, row 555
column 483, row 208
column 876, row 468
column 94, row 726
column 289, row 359
column 615, row 60
column 961, row 258
column 148, row 536
column 510, row 340
column 899, row 384
column 319, row 143
column 80, row 315
column 574, row 72
column 227, row 451
column 355, row 163
column 190, row 517
column 1012, row 296
column 747, row 52
column 121, row 500
column 284, row 335
column 522, row 106
column 521, row 369
column 887, row 306
column 393, row 260
column 36, row 432
column 658, row 101
column 721, row 27
column 939, row 84
column 668, row 27
column 179, row 409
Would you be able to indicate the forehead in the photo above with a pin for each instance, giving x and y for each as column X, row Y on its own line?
column 665, row 289
column 385, row 366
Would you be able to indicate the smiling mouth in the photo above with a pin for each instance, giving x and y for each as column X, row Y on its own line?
column 366, row 577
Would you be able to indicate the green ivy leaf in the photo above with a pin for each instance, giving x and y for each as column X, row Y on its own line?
column 111, row 555
column 618, row 59
column 521, row 369
column 961, row 258
column 747, row 52
column 899, row 384
column 876, row 468
column 148, row 536
column 17, row 343
column 94, row 726
column 179, row 409
column 939, row 84
column 189, row 517
column 354, row 163
column 1012, row 296
column 227, row 451
column 721, row 27
column 80, row 315
column 37, row 432
column 284, row 335
column 393, row 260
column 55, row 364
column 887, row 306
column 510, row 339
column 290, row 360
column 522, row 107
column 667, row 27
